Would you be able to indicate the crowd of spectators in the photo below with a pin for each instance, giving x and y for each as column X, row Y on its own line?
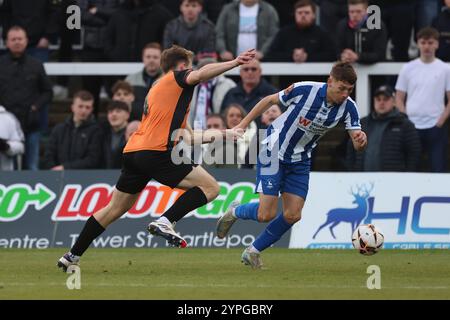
column 409, row 120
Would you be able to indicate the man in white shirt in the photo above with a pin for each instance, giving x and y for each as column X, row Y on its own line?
column 423, row 84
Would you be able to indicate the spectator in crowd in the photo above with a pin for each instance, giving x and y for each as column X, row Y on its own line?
column 331, row 12
column 212, row 9
column 114, row 139
column 426, row 12
column 39, row 19
column 24, row 89
column 398, row 17
column 284, row 10
column 135, row 24
column 421, row 89
column 266, row 120
column 131, row 128
column 215, row 121
column 250, row 90
column 95, row 15
column 442, row 24
column 243, row 25
column 270, row 115
column 11, row 140
column 355, row 41
column 208, row 96
column 393, row 142
column 213, row 154
column 76, row 143
column 143, row 80
column 191, row 29
column 233, row 115
column 302, row 41
column 123, row 91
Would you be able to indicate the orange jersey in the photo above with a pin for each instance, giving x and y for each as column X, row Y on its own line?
column 166, row 109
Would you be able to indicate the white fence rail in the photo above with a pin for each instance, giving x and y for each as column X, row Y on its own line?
column 269, row 69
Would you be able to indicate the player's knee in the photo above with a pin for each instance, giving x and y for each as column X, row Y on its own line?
column 292, row 217
column 211, row 190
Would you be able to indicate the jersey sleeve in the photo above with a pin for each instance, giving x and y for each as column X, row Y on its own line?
column 287, row 95
column 180, row 77
column 351, row 120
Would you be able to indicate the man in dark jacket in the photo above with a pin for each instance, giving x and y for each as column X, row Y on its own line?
column 24, row 90
column 135, row 24
column 39, row 18
column 393, row 142
column 113, row 137
column 356, row 42
column 442, row 24
column 95, row 15
column 75, row 143
column 190, row 29
column 250, row 90
column 302, row 41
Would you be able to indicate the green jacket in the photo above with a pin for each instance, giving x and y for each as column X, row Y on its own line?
column 227, row 27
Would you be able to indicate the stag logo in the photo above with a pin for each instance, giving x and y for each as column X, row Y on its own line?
column 354, row 216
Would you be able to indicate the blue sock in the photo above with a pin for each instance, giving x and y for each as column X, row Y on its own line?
column 273, row 232
column 247, row 211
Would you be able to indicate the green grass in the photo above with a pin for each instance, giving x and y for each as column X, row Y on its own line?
column 218, row 274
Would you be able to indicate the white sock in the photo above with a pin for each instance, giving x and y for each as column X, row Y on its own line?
column 164, row 220
column 253, row 249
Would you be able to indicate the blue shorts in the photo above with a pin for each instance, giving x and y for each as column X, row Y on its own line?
column 290, row 177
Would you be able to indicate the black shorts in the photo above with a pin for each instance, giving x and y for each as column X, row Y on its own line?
column 139, row 167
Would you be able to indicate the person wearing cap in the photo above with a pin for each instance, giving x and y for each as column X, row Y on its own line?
column 393, row 142
column 208, row 96
column 118, row 113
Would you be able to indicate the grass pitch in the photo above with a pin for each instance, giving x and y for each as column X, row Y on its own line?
column 218, row 274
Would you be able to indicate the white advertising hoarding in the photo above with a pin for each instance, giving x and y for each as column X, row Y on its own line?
column 412, row 210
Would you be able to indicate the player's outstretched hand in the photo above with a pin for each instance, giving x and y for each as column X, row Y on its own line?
column 234, row 133
column 246, row 56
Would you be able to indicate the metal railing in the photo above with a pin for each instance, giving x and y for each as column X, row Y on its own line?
column 269, row 69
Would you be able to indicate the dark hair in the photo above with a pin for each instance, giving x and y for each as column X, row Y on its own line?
column 116, row 104
column 16, row 28
column 215, row 115
column 354, row 2
column 428, row 33
column 122, row 85
column 343, row 71
column 200, row 2
column 174, row 55
column 152, row 45
column 305, row 3
column 83, row 95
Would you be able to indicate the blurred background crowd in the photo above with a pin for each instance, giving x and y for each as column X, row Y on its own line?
column 84, row 122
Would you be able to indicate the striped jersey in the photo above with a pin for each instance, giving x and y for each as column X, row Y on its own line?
column 307, row 118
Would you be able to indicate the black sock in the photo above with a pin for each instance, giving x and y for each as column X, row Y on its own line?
column 92, row 229
column 192, row 199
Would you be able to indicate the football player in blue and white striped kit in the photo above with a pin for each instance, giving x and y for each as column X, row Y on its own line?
column 285, row 160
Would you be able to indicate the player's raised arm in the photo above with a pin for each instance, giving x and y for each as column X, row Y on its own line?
column 214, row 69
column 258, row 110
column 191, row 136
